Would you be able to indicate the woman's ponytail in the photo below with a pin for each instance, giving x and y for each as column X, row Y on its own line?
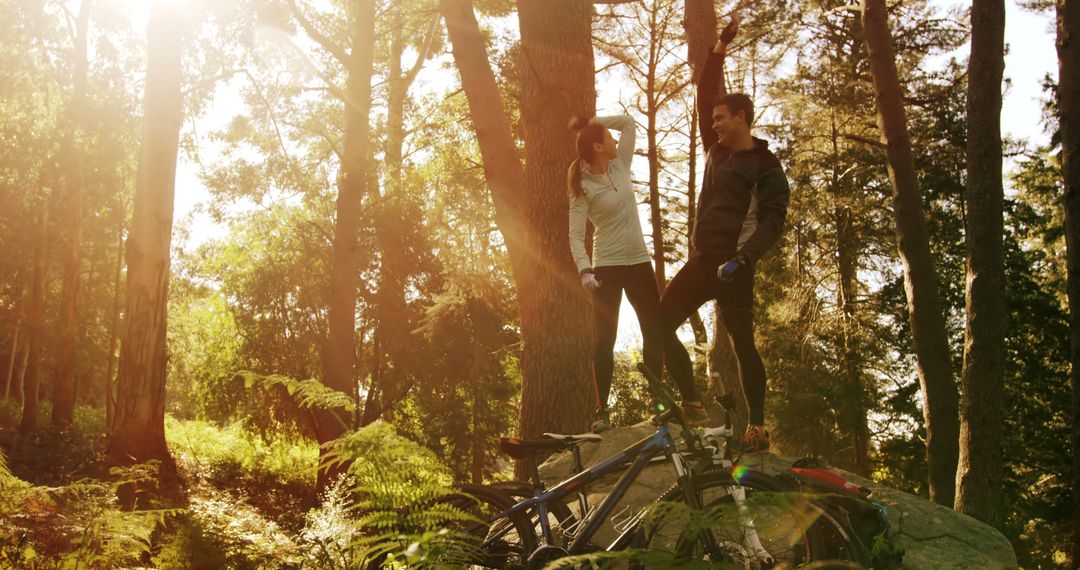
column 588, row 134
column 573, row 180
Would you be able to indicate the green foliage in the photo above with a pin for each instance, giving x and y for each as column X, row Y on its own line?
column 54, row 458
column 75, row 526
column 184, row 544
column 470, row 383
column 884, row 554
column 395, row 486
column 630, row 391
column 232, row 452
column 204, row 346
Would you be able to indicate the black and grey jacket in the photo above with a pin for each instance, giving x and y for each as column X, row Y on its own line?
column 744, row 194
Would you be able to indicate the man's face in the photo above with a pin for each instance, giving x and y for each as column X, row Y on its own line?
column 728, row 127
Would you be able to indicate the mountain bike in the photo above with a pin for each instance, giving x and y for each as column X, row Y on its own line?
column 714, row 511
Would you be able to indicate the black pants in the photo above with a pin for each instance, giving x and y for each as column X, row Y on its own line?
column 695, row 284
column 640, row 285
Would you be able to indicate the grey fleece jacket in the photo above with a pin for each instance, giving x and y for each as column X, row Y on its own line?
column 610, row 203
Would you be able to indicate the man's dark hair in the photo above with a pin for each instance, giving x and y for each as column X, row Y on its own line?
column 736, row 102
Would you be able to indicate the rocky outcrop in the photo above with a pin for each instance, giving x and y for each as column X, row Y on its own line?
column 932, row 536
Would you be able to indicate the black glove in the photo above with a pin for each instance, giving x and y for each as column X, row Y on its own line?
column 726, row 272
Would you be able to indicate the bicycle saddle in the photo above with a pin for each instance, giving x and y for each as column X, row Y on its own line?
column 552, row 442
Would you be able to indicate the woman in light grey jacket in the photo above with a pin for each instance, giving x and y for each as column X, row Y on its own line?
column 600, row 190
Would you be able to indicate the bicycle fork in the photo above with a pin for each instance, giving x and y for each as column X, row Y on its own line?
column 751, row 543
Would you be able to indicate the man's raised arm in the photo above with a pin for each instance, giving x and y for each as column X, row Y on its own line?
column 711, row 85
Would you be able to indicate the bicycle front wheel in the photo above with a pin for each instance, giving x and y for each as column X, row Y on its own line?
column 747, row 519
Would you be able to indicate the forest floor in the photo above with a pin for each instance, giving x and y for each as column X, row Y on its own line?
column 246, row 500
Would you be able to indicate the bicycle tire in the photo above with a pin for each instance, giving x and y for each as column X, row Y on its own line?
column 504, row 541
column 790, row 526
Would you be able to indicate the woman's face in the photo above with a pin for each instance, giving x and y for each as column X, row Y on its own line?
column 608, row 148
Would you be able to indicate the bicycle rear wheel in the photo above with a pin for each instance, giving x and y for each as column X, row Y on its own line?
column 747, row 519
column 501, row 541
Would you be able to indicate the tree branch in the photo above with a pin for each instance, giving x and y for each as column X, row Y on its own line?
column 334, row 49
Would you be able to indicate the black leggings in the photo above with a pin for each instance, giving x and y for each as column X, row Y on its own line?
column 695, row 284
column 640, row 285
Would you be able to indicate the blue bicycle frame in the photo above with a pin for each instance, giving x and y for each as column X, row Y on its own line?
column 640, row 453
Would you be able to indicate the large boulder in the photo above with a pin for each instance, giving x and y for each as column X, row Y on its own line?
column 932, row 536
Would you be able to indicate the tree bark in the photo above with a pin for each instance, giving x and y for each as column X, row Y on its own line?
column 979, row 472
column 354, row 182
column 557, row 83
column 927, row 321
column 110, row 367
column 652, row 150
column 73, row 154
column 18, row 389
column 1068, row 99
column 725, row 374
column 15, row 330
column 699, row 21
column 36, row 313
column 139, row 429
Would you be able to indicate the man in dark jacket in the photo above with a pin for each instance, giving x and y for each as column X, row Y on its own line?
column 744, row 199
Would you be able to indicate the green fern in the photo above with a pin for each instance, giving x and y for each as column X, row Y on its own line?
column 81, row 521
column 307, row 394
column 395, row 486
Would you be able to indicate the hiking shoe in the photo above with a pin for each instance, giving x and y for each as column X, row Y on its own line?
column 601, row 421
column 756, row 440
column 696, row 415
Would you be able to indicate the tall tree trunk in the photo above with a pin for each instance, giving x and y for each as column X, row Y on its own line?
column 396, row 216
column 532, row 216
column 481, row 325
column 18, row 389
column 32, row 368
column 72, row 156
column 852, row 404
column 1068, row 99
column 725, row 373
column 10, row 371
column 927, row 320
column 110, row 367
column 656, row 215
column 557, row 83
column 699, row 21
column 354, row 182
column 978, row 476
column 139, row 427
